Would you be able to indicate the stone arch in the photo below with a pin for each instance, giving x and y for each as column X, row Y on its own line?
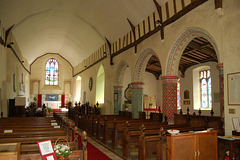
column 119, row 73
column 141, row 63
column 176, row 50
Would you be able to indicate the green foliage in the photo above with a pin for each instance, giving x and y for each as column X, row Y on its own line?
column 49, row 109
column 125, row 105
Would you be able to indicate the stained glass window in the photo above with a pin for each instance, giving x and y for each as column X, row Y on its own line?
column 51, row 74
column 206, row 89
column 178, row 95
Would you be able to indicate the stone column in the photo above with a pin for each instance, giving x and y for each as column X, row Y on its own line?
column 169, row 97
column 117, row 99
column 221, row 83
column 137, row 98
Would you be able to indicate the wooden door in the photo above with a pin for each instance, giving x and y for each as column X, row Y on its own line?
column 207, row 146
column 181, row 147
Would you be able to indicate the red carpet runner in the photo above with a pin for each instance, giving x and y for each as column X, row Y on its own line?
column 93, row 152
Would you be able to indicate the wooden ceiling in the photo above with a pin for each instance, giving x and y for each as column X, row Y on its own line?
column 154, row 67
column 199, row 50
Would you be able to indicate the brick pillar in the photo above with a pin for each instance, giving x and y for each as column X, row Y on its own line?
column 169, row 97
column 137, row 98
column 117, row 99
column 221, row 82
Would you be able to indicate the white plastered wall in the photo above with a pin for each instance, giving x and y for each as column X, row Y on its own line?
column 38, row 75
column 231, row 55
column 187, row 84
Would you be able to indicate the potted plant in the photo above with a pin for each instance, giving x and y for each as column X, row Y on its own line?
column 126, row 106
column 49, row 110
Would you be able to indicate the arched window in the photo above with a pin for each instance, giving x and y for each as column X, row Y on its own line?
column 78, row 88
column 202, row 88
column 206, row 89
column 51, row 74
column 100, row 85
column 178, row 94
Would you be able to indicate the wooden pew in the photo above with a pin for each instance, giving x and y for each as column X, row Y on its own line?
column 22, row 134
column 95, row 122
column 214, row 122
column 75, row 155
column 30, row 148
column 28, row 131
column 131, row 136
column 120, row 127
column 154, row 146
column 104, row 126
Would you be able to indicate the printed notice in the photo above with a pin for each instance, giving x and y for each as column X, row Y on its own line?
column 46, row 147
column 234, row 88
column 54, row 124
column 8, row 131
column 50, row 158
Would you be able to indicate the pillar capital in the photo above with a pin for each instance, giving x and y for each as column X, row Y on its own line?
column 169, row 79
column 137, row 85
column 220, row 69
column 118, row 88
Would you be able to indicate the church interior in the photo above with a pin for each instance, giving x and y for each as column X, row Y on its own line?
column 156, row 79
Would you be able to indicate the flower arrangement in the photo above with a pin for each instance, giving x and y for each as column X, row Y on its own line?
column 62, row 150
column 49, row 109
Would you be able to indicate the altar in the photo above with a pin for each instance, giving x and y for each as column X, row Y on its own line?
column 53, row 104
column 52, row 101
column 150, row 105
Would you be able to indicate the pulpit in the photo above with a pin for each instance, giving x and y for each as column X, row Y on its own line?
column 16, row 107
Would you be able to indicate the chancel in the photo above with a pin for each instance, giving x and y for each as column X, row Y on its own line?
column 156, row 79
